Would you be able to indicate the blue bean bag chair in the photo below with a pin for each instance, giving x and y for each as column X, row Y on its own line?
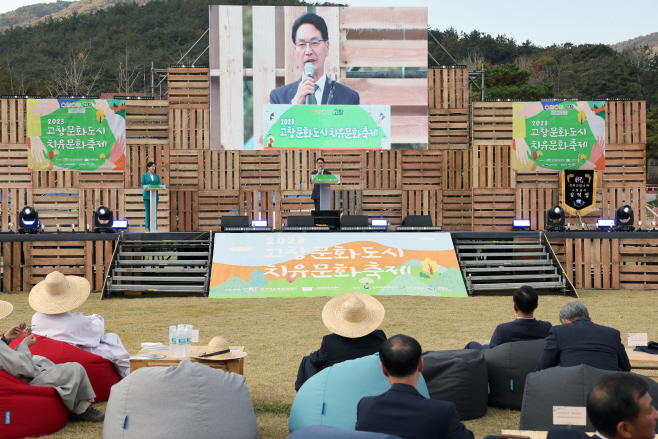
column 330, row 397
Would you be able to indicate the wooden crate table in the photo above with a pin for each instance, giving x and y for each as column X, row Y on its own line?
column 643, row 357
column 236, row 366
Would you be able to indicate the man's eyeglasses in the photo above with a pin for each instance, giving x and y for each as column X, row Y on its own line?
column 313, row 44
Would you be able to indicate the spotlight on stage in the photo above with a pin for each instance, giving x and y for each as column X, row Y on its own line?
column 120, row 225
column 379, row 222
column 605, row 223
column 103, row 219
column 258, row 223
column 624, row 219
column 28, row 221
column 521, row 224
column 555, row 220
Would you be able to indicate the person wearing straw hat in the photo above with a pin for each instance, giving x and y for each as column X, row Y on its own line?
column 53, row 299
column 70, row 380
column 353, row 318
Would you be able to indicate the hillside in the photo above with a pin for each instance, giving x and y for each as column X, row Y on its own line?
column 650, row 40
column 28, row 15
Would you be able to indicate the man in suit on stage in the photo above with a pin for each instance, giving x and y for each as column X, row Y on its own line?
column 580, row 341
column 311, row 38
column 315, row 196
column 402, row 410
column 524, row 327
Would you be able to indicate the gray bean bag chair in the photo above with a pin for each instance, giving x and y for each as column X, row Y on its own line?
column 508, row 365
column 188, row 400
column 562, row 386
column 325, row 432
column 458, row 376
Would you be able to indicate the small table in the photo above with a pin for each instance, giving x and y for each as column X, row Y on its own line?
column 643, row 357
column 235, row 366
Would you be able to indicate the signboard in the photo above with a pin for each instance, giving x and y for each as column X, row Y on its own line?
column 578, row 192
column 553, row 136
column 76, row 134
column 327, row 126
column 330, row 264
column 325, row 179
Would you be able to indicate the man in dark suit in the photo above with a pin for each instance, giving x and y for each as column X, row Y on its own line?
column 580, row 341
column 311, row 38
column 525, row 327
column 315, row 196
column 402, row 410
column 353, row 319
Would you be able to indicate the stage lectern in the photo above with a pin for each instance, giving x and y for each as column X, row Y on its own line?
column 325, row 181
column 153, row 206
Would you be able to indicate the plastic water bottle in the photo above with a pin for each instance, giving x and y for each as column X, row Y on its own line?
column 181, row 340
column 172, row 341
column 188, row 340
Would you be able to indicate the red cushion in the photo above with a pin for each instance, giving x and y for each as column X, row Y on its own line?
column 101, row 371
column 33, row 411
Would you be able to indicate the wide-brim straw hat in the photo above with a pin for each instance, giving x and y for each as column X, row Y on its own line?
column 219, row 344
column 58, row 293
column 5, row 309
column 353, row 315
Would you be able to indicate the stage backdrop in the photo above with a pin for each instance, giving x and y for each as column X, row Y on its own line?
column 330, row 264
column 551, row 136
column 76, row 134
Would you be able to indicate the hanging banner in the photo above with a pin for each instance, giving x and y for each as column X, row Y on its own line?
column 553, row 136
column 327, row 126
column 76, row 134
column 330, row 264
column 578, row 192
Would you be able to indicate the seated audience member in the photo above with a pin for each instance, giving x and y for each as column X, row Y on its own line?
column 353, row 318
column 402, row 411
column 53, row 299
column 580, row 341
column 69, row 379
column 619, row 407
column 524, row 327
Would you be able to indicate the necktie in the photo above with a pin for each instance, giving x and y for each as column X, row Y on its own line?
column 313, row 100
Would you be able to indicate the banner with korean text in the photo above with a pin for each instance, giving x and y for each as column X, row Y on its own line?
column 552, row 136
column 327, row 126
column 330, row 264
column 76, row 134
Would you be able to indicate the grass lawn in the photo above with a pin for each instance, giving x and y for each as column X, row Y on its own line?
column 278, row 332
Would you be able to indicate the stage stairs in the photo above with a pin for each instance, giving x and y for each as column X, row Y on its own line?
column 498, row 262
column 143, row 265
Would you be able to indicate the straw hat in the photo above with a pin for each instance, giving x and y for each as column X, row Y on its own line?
column 353, row 315
column 219, row 345
column 58, row 293
column 5, row 308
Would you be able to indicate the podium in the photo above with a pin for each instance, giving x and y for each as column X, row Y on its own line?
column 153, row 204
column 325, row 181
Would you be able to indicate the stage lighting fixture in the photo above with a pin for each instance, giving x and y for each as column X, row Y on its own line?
column 521, row 224
column 120, row 225
column 624, row 219
column 605, row 223
column 28, row 221
column 258, row 223
column 379, row 222
column 555, row 220
column 103, row 219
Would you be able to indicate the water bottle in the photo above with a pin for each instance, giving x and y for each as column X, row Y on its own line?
column 188, row 340
column 172, row 341
column 181, row 341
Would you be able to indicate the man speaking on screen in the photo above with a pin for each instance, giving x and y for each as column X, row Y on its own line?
column 311, row 39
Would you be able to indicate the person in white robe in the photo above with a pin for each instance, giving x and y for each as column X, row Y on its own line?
column 53, row 299
column 69, row 379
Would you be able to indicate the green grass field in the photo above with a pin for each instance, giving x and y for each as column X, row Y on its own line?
column 277, row 332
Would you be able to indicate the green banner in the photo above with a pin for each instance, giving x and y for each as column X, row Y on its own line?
column 552, row 136
column 325, row 179
column 76, row 134
column 327, row 126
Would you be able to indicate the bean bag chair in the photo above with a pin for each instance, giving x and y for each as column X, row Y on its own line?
column 325, row 432
column 330, row 397
column 188, row 400
column 101, row 372
column 508, row 365
column 458, row 376
column 562, row 386
column 29, row 410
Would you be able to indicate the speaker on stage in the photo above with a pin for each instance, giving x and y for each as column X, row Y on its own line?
column 354, row 221
column 235, row 221
column 417, row 221
column 300, row 221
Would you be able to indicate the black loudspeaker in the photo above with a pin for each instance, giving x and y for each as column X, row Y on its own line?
column 235, row 221
column 354, row 221
column 300, row 221
column 417, row 221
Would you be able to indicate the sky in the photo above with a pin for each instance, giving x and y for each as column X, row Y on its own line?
column 543, row 22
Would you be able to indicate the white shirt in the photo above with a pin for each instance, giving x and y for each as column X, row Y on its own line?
column 320, row 91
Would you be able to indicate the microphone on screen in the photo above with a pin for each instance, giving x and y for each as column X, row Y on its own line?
column 308, row 71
